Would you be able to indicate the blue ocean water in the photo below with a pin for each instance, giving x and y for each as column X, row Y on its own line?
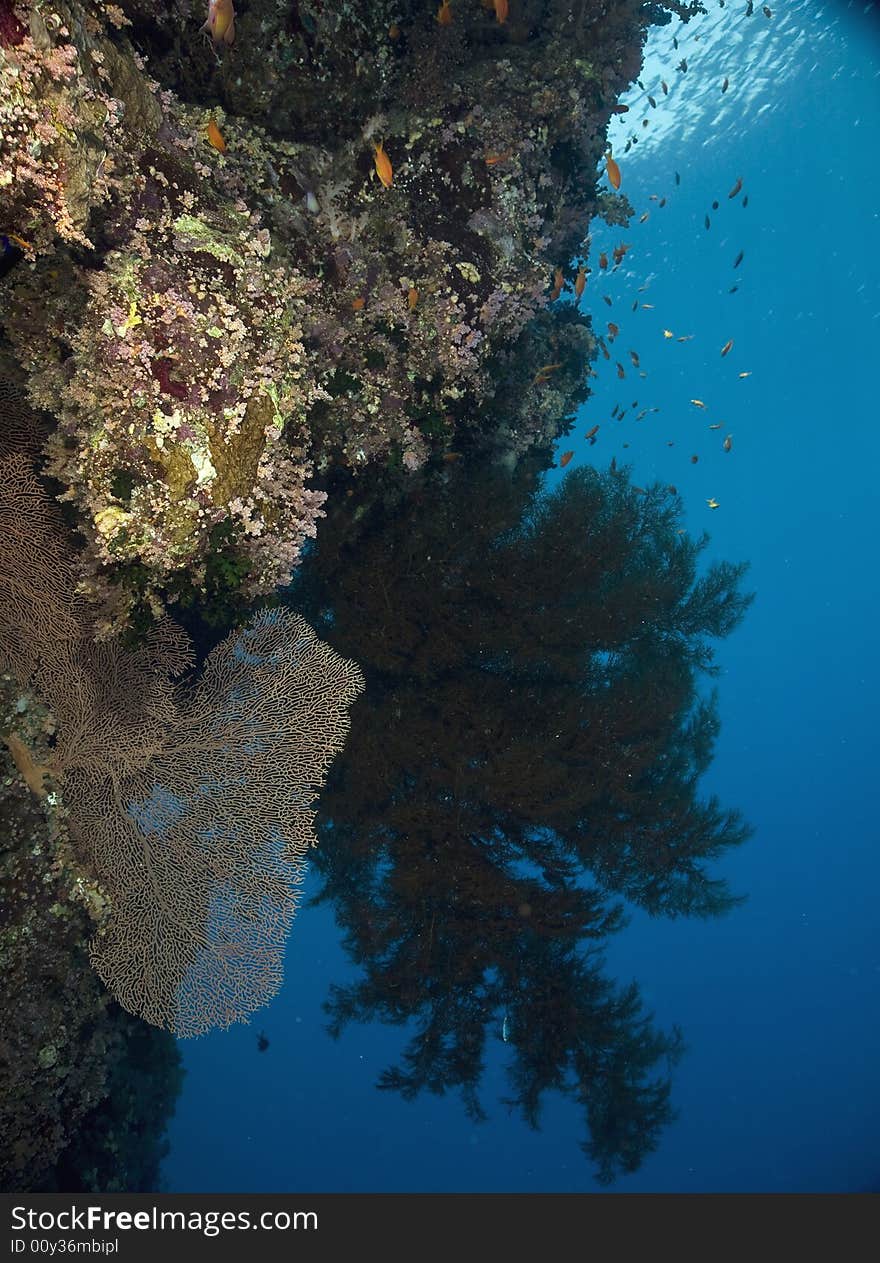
column 778, row 1002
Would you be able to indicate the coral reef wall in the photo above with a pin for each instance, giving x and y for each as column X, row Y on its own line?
column 332, row 246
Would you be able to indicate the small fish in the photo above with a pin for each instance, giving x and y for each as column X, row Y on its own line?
column 620, row 371
column 725, row 84
column 682, row 65
column 707, row 222
column 686, row 337
column 665, row 86
column 505, row 1029
column 613, row 465
column 613, row 329
column 745, row 201
column 635, row 361
column 667, row 333
column 643, row 219
column 733, row 289
column 652, row 103
column 619, row 251
column 357, row 304
column 491, row 159
column 220, row 22
column 564, row 459
column 262, row 1042
column 677, row 178
column 607, row 300
column 727, row 345
column 11, row 252
column 412, row 297
column 694, row 459
column 647, row 306
column 750, row 9
column 748, row 374
column 215, row 136
column 641, row 85
column 603, row 260
column 767, row 11
column 674, row 42
column 714, row 205
column 394, row 31
column 713, row 503
column 644, row 412
column 383, row 165
column 444, row 14
column 736, row 188
column 739, row 258
column 727, row 444
column 620, row 109
column 604, row 349
column 716, row 426
column 698, row 403
column 615, row 411
column 558, row 283
column 451, row 457
column 591, row 434
column 580, row 281
column 635, row 304
column 662, row 202
column 613, row 171
column 501, row 10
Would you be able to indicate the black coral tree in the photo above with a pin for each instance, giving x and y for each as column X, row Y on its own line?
column 191, row 806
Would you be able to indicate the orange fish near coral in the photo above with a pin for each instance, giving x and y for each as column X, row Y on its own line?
column 383, row 165
column 736, row 188
column 613, row 329
column 492, row 158
column 564, row 459
column 220, row 22
column 558, row 282
column 591, row 434
column 613, row 171
column 215, row 136
column 444, row 14
column 580, row 281
column 501, row 10
column 603, row 261
column 412, row 297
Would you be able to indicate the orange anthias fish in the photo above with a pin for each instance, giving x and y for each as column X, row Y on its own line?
column 613, row 329
column 727, row 345
column 620, row 251
column 736, row 188
column 613, row 171
column 501, row 10
column 580, row 281
column 412, row 297
column 215, row 136
column 558, row 282
column 603, row 261
column 591, row 434
column 492, row 158
column 383, row 165
column 564, row 459
column 220, row 22
column 444, row 14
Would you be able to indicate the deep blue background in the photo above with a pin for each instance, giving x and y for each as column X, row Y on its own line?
column 780, row 1001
